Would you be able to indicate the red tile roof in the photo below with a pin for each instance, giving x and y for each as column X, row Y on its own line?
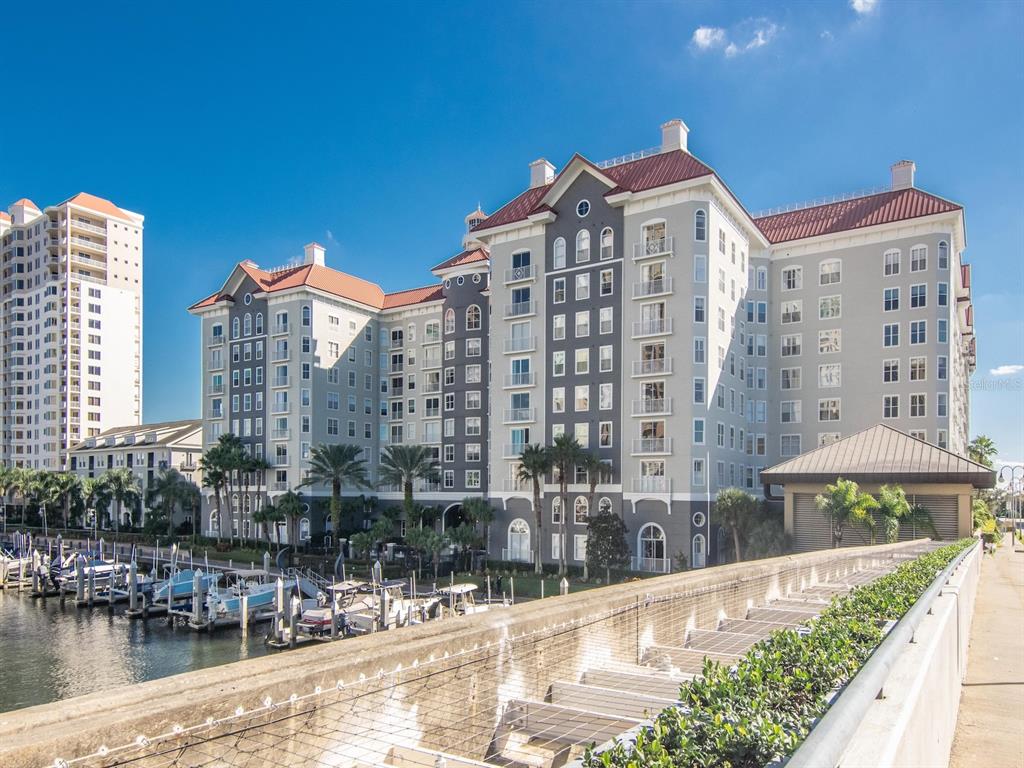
column 93, row 203
column 867, row 211
column 413, row 296
column 461, row 259
column 25, row 202
column 4, row 216
column 635, row 176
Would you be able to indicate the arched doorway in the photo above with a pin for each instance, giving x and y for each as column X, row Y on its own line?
column 699, row 551
column 518, row 550
column 453, row 517
column 651, row 548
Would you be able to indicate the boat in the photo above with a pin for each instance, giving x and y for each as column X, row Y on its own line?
column 14, row 567
column 345, row 596
column 388, row 607
column 249, row 589
column 458, row 599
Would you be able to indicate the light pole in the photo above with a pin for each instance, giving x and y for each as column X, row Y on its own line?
column 1014, row 484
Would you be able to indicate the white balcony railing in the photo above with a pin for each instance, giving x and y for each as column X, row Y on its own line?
column 651, row 247
column 281, row 355
column 279, row 485
column 524, row 379
column 652, row 484
column 520, row 344
column 516, row 556
column 280, row 434
column 215, row 413
column 520, row 308
column 644, row 288
column 661, row 326
column 651, row 406
column 517, row 274
column 280, row 328
column 653, row 445
column 215, row 389
column 216, row 364
column 513, row 450
column 655, row 367
column 431, row 388
column 213, row 340
column 82, row 242
column 79, row 224
column 511, row 484
column 281, row 408
column 520, row 415
column 280, row 461
column 281, row 381
column 651, row 564
column 87, row 261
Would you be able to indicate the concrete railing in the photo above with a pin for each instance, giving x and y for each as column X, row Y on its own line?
column 426, row 674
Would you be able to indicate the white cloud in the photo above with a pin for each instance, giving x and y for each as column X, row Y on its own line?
column 827, row 36
column 762, row 36
column 706, row 38
column 864, row 7
column 731, row 50
column 1006, row 370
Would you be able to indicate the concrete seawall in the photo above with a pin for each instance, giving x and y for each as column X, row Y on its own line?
column 442, row 685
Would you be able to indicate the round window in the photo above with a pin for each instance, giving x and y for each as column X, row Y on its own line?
column 447, row 283
column 248, row 299
column 582, row 208
column 460, row 280
column 698, row 519
column 476, row 277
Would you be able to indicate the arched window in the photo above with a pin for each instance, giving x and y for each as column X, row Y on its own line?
column 236, row 328
column 214, row 523
column 234, row 503
column 259, row 322
column 473, row 318
column 556, row 510
column 304, row 534
column 257, row 503
column 604, row 505
column 943, row 254
column 699, row 551
column 700, row 226
column 651, row 548
column 607, row 243
column 519, row 541
column 307, row 315
column 581, row 508
column 582, row 246
column 247, row 504
column 559, row 253
column 247, row 325
column 449, row 321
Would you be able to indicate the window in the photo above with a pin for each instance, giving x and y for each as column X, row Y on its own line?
column 829, row 341
column 918, row 368
column 792, row 278
column 943, row 331
column 792, row 311
column 919, row 258
column 941, row 405
column 582, row 398
column 828, row 409
column 918, row 296
column 790, row 378
column 942, row 368
column 558, row 400
column 605, row 394
column 891, row 263
column 761, row 282
column 605, row 359
column 943, row 294
column 582, row 246
column 607, row 244
column 891, row 299
column 604, row 434
column 891, row 407
column 449, row 321
column 918, row 331
column 698, row 431
column 558, row 254
column 582, row 358
column 606, row 320
column 558, row 363
column 700, row 269
column 829, row 307
column 789, row 445
column 473, row 347
column 472, row 318
column 943, row 255
column 917, row 406
column 791, row 344
column 721, row 241
column 607, row 282
column 558, row 290
column 558, row 327
column 582, row 324
column 699, row 355
column 829, row 272
column 890, row 371
column 891, row 335
column 830, row 375
column 789, row 412
column 582, row 286
column 699, row 313
column 700, row 226
column 698, row 472
column 698, row 390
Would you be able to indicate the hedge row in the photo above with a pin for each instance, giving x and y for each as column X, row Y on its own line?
column 758, row 711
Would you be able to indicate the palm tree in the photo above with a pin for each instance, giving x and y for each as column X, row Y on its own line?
column 95, row 494
column 565, row 453
column 67, row 487
column 124, row 488
column 291, row 508
column 337, row 466
column 534, row 465
column 191, row 498
column 21, row 482
column 597, row 470
column 403, row 465
column 267, row 517
column 7, row 484
column 215, row 478
column 844, row 505
column 255, row 471
column 981, row 449
column 168, row 490
column 734, row 509
column 479, row 512
column 894, row 508
column 41, row 490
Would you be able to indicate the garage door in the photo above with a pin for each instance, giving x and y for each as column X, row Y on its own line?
column 944, row 514
column 811, row 529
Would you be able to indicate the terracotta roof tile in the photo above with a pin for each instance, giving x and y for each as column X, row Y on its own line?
column 4, row 216
column 413, row 296
column 98, row 204
column 460, row 259
column 867, row 211
column 25, row 202
column 517, row 209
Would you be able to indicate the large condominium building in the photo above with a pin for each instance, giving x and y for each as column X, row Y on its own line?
column 71, row 319
column 636, row 305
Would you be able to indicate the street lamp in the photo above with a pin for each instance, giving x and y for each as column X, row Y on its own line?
column 1014, row 484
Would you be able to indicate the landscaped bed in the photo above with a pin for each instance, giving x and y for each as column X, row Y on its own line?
column 758, row 711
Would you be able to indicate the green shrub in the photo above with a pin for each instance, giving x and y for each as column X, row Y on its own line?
column 759, row 710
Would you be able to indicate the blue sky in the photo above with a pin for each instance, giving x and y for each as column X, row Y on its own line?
column 247, row 130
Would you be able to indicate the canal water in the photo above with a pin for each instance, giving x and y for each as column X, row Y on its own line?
column 50, row 651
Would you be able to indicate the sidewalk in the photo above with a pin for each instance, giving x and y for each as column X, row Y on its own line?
column 988, row 729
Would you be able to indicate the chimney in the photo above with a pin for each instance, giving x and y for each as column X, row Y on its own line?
column 903, row 174
column 541, row 172
column 314, row 254
column 673, row 135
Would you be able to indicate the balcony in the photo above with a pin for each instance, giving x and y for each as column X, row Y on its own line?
column 652, row 446
column 279, row 485
column 187, row 466
column 281, row 355
column 520, row 415
column 215, row 364
column 430, row 363
column 652, row 248
column 520, row 274
column 520, row 309
column 645, row 288
column 397, row 368
column 659, row 327
column 280, row 328
column 526, row 379
column 432, row 413
column 651, row 564
column 279, row 461
column 431, row 388
column 89, row 262
column 658, row 406
column 656, row 367
column 90, row 244
column 83, row 225
column 520, row 344
column 215, row 340
column 281, row 407
column 215, row 389
column 513, row 451
column 281, row 381
column 280, row 434
column 215, row 413
column 653, row 484
column 511, row 485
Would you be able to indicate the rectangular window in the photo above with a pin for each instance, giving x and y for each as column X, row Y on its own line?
column 606, row 359
column 582, row 359
column 941, row 405
column 558, row 290
column 791, row 344
column 891, row 335
column 829, row 307
column 918, row 296
column 700, row 269
column 789, row 445
column 943, row 294
column 891, row 261
column 607, row 282
column 918, row 369
column 830, row 375
column 699, row 313
column 792, row 311
column 582, row 324
column 699, row 353
column 606, row 315
column 942, row 368
column 792, row 278
column 829, row 341
column 890, row 371
column 919, row 258
column 582, row 286
column 918, row 331
column 698, row 431
column 891, row 299
column 698, row 390
column 830, row 272
column 558, row 327
column 891, row 407
column 789, row 412
column 828, row 409
column 698, row 472
column 943, row 332
column 789, row 378
column 604, row 434
column 917, row 406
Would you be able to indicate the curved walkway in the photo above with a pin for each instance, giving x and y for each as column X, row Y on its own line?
column 988, row 728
